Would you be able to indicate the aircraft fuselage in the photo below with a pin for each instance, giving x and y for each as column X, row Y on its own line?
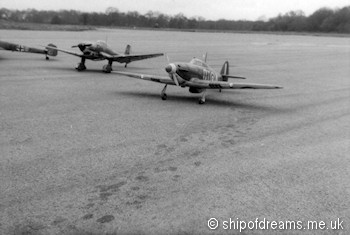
column 93, row 51
column 20, row 48
column 196, row 69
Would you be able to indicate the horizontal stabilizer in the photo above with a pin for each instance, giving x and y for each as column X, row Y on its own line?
column 225, row 77
column 50, row 49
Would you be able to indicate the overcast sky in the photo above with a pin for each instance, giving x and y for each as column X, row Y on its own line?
column 209, row 9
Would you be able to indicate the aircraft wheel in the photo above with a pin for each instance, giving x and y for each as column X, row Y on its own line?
column 107, row 68
column 164, row 97
column 80, row 67
column 201, row 101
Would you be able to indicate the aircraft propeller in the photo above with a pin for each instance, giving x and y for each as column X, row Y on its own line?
column 82, row 45
column 171, row 70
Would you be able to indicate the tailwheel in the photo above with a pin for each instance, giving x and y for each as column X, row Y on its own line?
column 80, row 67
column 164, row 96
column 107, row 68
column 47, row 58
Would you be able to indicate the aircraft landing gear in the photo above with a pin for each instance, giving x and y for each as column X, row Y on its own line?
column 108, row 67
column 202, row 99
column 163, row 94
column 81, row 66
column 126, row 65
column 47, row 58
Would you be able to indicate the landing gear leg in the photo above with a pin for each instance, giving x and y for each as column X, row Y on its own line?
column 81, row 66
column 126, row 65
column 108, row 67
column 202, row 99
column 163, row 94
column 220, row 90
column 46, row 57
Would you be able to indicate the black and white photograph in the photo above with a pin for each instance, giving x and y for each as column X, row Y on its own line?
column 174, row 117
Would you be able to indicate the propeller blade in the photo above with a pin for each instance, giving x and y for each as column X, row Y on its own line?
column 175, row 79
column 205, row 57
column 82, row 45
column 167, row 57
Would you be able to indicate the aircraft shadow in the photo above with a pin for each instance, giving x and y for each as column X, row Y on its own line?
column 211, row 100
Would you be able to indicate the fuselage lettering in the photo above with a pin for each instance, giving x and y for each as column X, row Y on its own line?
column 209, row 75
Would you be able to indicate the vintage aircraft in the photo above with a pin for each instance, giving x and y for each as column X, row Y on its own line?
column 199, row 77
column 101, row 51
column 50, row 49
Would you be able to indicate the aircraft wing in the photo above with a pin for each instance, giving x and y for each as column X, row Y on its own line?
column 153, row 78
column 129, row 58
column 65, row 51
column 228, row 85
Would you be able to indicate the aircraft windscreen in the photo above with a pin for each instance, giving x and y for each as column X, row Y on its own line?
column 102, row 43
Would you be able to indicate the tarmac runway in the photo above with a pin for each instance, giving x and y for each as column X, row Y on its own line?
column 94, row 153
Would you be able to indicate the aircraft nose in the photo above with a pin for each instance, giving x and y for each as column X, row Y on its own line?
column 168, row 68
column 171, row 68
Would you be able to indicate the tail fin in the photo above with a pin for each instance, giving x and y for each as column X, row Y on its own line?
column 225, row 73
column 225, row 70
column 127, row 50
column 50, row 51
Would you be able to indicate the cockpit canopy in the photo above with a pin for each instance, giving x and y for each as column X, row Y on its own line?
column 102, row 43
column 199, row 62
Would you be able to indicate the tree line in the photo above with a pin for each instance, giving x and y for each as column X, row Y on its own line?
column 322, row 20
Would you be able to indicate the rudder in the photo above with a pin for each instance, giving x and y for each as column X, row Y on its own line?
column 225, row 69
column 127, row 50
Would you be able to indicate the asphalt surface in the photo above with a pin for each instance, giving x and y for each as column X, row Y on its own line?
column 94, row 153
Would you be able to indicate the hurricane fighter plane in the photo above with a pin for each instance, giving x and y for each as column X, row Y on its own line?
column 101, row 51
column 199, row 77
column 50, row 50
